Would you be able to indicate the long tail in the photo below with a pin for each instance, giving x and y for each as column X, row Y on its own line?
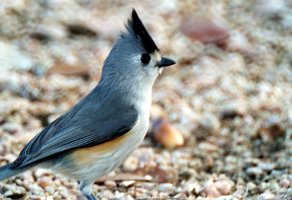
column 6, row 172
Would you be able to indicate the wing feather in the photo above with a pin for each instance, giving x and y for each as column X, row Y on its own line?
column 85, row 125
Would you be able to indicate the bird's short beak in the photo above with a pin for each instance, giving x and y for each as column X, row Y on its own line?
column 164, row 62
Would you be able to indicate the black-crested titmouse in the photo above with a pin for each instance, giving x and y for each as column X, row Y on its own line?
column 105, row 127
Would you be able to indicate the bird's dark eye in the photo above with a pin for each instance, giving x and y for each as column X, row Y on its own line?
column 145, row 58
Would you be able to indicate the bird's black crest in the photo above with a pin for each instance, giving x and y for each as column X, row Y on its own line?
column 140, row 31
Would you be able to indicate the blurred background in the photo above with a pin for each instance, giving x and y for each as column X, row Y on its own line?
column 221, row 119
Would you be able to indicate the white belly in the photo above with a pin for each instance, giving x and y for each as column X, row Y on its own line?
column 93, row 162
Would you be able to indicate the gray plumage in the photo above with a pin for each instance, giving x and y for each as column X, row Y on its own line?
column 91, row 122
column 118, row 105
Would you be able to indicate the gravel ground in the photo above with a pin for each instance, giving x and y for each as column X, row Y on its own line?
column 221, row 120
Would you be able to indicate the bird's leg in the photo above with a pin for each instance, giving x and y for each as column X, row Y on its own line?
column 86, row 189
column 90, row 197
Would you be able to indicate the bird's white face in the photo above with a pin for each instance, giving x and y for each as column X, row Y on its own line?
column 147, row 67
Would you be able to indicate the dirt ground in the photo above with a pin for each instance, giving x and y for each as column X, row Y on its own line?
column 221, row 118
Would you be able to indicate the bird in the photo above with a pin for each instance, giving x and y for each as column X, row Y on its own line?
column 101, row 131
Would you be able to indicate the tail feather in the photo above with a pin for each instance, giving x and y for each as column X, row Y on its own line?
column 6, row 172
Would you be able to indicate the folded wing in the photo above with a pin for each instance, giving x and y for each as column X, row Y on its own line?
column 84, row 125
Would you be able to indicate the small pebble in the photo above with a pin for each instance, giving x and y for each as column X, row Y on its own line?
column 127, row 183
column 129, row 197
column 131, row 164
column 45, row 182
column 49, row 198
column 11, row 128
column 119, row 195
column 180, row 196
column 50, row 190
column 35, row 189
column 251, row 186
column 286, row 183
column 254, row 171
column 163, row 195
column 165, row 187
column 269, row 8
column 267, row 166
column 267, row 196
column 192, row 187
column 110, row 183
column 15, row 192
column 39, row 172
column 166, row 134
column 209, row 123
column 208, row 147
column 218, row 188
column 107, row 194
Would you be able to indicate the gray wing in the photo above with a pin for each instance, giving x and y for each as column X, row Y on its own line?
column 85, row 125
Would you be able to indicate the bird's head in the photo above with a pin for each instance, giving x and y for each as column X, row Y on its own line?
column 135, row 58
